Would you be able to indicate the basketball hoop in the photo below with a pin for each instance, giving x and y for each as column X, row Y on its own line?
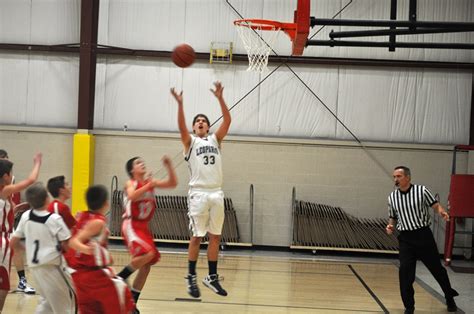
column 258, row 49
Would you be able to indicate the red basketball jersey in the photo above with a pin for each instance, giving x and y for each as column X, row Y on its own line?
column 6, row 216
column 62, row 210
column 100, row 257
column 143, row 208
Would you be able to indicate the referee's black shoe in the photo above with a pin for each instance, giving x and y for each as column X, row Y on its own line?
column 451, row 305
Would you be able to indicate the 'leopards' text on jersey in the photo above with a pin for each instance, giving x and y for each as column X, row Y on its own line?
column 204, row 161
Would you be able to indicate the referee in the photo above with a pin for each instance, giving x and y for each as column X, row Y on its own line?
column 408, row 210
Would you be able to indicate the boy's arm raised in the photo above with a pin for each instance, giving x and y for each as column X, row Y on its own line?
column 17, row 187
column 185, row 136
column 172, row 178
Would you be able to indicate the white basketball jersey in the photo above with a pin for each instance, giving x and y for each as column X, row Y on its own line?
column 43, row 232
column 204, row 161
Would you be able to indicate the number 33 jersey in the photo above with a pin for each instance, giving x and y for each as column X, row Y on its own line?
column 43, row 232
column 204, row 161
column 142, row 208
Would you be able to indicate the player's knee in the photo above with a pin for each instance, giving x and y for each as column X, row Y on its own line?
column 154, row 257
column 195, row 240
column 214, row 237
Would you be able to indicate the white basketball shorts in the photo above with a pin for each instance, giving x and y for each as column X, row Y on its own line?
column 206, row 211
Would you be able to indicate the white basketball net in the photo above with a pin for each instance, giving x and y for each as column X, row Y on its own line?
column 257, row 48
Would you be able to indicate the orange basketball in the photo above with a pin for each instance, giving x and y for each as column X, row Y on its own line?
column 183, row 55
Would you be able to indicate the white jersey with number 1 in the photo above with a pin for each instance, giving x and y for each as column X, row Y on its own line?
column 204, row 161
column 43, row 232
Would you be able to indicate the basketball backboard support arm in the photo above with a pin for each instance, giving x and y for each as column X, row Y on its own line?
column 410, row 27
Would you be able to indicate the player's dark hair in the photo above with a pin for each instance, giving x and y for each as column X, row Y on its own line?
column 96, row 197
column 406, row 170
column 36, row 195
column 129, row 166
column 3, row 154
column 6, row 167
column 55, row 184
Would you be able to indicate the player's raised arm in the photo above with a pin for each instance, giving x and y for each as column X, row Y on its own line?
column 225, row 125
column 17, row 187
column 133, row 193
column 185, row 137
column 172, row 178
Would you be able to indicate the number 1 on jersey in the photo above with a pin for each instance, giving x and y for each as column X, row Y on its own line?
column 35, row 254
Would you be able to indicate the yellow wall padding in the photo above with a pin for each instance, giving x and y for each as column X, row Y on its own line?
column 83, row 170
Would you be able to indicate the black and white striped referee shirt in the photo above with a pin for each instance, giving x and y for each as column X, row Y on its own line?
column 411, row 208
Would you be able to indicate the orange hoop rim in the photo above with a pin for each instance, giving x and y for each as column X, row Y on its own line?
column 268, row 25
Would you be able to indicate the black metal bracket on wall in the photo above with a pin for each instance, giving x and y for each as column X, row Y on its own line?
column 393, row 29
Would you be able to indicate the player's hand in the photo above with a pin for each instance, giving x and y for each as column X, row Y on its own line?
column 37, row 158
column 389, row 229
column 166, row 161
column 445, row 215
column 88, row 249
column 178, row 97
column 219, row 89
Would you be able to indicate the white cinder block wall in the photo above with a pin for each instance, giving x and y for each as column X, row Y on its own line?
column 335, row 173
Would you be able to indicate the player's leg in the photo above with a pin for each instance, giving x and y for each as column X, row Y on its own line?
column 18, row 261
column 85, row 285
column 5, row 258
column 198, row 218
column 140, row 244
column 144, row 270
column 19, row 255
column 216, row 222
column 54, row 286
column 139, row 282
column 119, row 299
column 99, row 291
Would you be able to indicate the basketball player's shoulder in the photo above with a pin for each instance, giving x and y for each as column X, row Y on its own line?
column 213, row 138
column 26, row 215
column 131, row 182
column 55, row 218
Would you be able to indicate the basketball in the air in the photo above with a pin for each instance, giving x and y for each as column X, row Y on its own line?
column 183, row 55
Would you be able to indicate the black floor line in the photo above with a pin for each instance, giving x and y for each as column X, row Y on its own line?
column 249, row 270
column 186, row 300
column 374, row 296
column 261, row 305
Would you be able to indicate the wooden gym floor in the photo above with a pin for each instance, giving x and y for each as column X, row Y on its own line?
column 258, row 284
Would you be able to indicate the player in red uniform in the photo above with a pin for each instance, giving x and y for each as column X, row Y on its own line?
column 6, row 217
column 17, row 258
column 61, row 191
column 98, row 289
column 140, row 206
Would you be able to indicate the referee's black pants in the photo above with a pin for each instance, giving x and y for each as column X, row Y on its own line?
column 420, row 244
